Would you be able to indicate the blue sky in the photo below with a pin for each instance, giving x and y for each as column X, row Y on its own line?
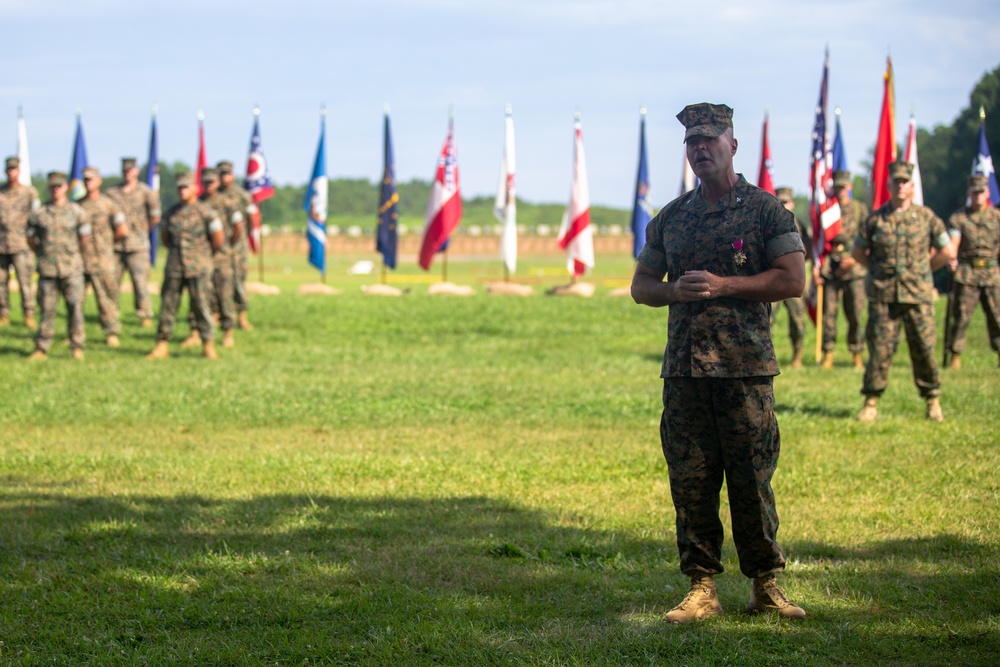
column 113, row 59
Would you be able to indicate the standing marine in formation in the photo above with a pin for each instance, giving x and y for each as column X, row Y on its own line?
column 107, row 225
column 238, row 200
column 17, row 201
column 796, row 306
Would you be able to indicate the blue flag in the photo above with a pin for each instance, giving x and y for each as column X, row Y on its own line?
column 839, row 156
column 315, row 204
column 77, row 191
column 983, row 164
column 153, row 181
column 642, row 210
column 387, row 238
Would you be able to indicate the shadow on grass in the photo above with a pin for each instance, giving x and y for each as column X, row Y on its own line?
column 459, row 580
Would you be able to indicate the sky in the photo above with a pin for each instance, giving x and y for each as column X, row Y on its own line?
column 113, row 60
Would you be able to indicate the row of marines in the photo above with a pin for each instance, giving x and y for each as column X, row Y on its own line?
column 93, row 242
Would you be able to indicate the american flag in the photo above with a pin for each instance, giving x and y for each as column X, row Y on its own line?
column 824, row 210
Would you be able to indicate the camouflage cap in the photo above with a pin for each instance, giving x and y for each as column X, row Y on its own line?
column 704, row 119
column 900, row 171
column 56, row 178
column 13, row 163
column 129, row 163
column 209, row 174
column 224, row 167
column 184, row 179
column 90, row 172
column 783, row 194
column 841, row 177
column 978, row 183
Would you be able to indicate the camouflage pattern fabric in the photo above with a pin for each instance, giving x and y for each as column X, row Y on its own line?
column 722, row 428
column 882, row 333
column 840, row 245
column 898, row 244
column 241, row 255
column 852, row 294
column 57, row 231
column 221, row 296
column 977, row 278
column 99, row 259
column 720, row 337
column 796, row 307
column 16, row 204
column 964, row 300
column 198, row 288
column 141, row 206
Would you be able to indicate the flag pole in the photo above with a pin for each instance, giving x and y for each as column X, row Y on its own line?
column 260, row 232
column 444, row 266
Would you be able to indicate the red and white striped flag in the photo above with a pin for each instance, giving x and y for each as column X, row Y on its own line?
column 576, row 236
column 911, row 157
column 201, row 163
column 824, row 210
column 444, row 207
column 765, row 177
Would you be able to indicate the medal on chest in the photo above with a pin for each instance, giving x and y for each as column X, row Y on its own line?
column 739, row 257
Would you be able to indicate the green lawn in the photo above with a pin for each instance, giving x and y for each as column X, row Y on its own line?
column 465, row 481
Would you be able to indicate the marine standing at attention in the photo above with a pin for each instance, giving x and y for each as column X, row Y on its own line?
column 17, row 201
column 107, row 225
column 239, row 200
column 728, row 250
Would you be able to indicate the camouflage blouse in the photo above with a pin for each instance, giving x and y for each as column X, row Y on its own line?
column 16, row 205
column 186, row 231
column 979, row 247
column 58, row 230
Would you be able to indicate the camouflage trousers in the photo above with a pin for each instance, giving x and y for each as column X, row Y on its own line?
column 198, row 289
column 882, row 333
column 715, row 428
column 24, row 264
column 963, row 304
column 852, row 294
column 72, row 291
column 102, row 282
column 241, row 260
column 796, row 319
column 221, row 297
column 137, row 264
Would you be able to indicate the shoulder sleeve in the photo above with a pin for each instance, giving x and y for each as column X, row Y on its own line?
column 778, row 228
column 939, row 234
column 653, row 254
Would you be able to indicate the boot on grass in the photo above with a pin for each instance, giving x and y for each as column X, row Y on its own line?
column 827, row 362
column 38, row 355
column 766, row 597
column 955, row 363
column 701, row 602
column 29, row 321
column 227, row 339
column 112, row 341
column 208, row 350
column 934, row 412
column 858, row 362
column 797, row 357
column 160, row 350
column 869, row 412
column 193, row 339
column 243, row 321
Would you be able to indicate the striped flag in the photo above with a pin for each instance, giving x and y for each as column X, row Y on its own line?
column 387, row 235
column 505, row 205
column 885, row 147
column 257, row 182
column 77, row 191
column 576, row 236
column 765, row 177
column 201, row 163
column 316, row 202
column 24, row 177
column 153, row 181
column 444, row 206
column 824, row 210
column 911, row 157
column 642, row 209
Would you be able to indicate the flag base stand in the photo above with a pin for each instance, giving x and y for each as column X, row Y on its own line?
column 254, row 287
column 510, row 289
column 318, row 288
column 621, row 291
column 572, row 289
column 450, row 289
column 382, row 290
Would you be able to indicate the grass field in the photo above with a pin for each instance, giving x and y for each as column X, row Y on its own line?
column 465, row 481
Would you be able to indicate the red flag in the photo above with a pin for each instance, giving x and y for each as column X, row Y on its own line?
column 765, row 179
column 885, row 148
column 576, row 236
column 201, row 162
column 444, row 208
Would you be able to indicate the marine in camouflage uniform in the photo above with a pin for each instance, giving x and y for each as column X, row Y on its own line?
column 975, row 240
column 142, row 213
column 58, row 232
column 842, row 277
column 107, row 223
column 728, row 250
column 17, row 201
column 796, row 306
column 240, row 200
column 894, row 243
column 192, row 233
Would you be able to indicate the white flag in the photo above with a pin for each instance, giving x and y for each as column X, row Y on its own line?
column 576, row 236
column 911, row 157
column 22, row 150
column 505, row 207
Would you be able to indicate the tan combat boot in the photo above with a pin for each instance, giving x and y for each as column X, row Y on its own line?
column 765, row 596
column 797, row 357
column 193, row 339
column 208, row 350
column 38, row 355
column 869, row 412
column 955, row 363
column 701, row 602
column 4, row 320
column 30, row 322
column 160, row 350
column 858, row 362
column 827, row 362
column 934, row 413
column 244, row 322
column 227, row 339
column 112, row 341
column 78, row 354
column 146, row 322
